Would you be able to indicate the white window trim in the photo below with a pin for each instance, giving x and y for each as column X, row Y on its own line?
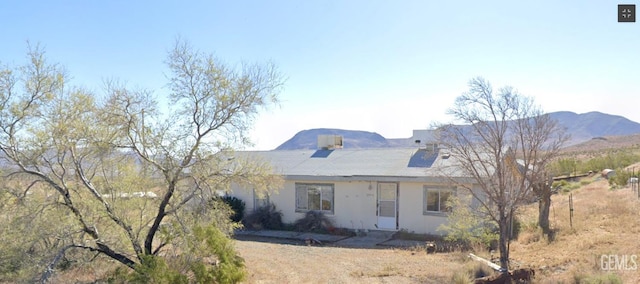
column 306, row 185
column 425, row 190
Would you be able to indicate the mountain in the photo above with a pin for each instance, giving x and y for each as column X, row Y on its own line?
column 582, row 127
column 585, row 126
column 308, row 139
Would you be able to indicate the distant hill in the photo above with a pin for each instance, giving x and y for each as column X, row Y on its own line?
column 585, row 126
column 601, row 143
column 582, row 127
column 308, row 139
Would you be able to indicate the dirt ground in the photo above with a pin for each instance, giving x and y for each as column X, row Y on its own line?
column 293, row 263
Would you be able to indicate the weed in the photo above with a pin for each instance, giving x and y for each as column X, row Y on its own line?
column 388, row 270
column 609, row 278
column 314, row 221
column 461, row 277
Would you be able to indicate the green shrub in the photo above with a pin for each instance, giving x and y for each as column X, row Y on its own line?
column 565, row 186
column 229, row 267
column 611, row 160
column 152, row 269
column 560, row 184
column 614, row 159
column 467, row 225
column 314, row 221
column 211, row 258
column 11, row 262
column 620, row 178
column 237, row 205
column 265, row 217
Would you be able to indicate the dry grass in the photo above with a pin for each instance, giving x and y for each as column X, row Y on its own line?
column 283, row 263
column 605, row 222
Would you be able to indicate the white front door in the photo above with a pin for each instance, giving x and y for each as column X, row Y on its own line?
column 387, row 205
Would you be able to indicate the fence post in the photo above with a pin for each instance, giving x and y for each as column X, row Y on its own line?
column 571, row 209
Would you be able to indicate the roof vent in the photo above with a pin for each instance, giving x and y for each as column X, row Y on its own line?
column 329, row 142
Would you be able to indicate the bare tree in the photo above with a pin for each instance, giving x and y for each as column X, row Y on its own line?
column 504, row 143
column 87, row 153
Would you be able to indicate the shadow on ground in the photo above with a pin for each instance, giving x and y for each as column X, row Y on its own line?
column 371, row 239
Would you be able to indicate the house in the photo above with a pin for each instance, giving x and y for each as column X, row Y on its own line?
column 374, row 189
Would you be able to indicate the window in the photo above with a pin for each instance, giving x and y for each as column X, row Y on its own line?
column 435, row 200
column 260, row 199
column 314, row 197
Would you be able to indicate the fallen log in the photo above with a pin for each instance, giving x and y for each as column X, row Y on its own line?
column 487, row 262
column 524, row 274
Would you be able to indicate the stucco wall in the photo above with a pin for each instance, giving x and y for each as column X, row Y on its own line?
column 411, row 217
column 355, row 205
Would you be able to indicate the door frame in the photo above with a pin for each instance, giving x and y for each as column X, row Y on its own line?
column 379, row 224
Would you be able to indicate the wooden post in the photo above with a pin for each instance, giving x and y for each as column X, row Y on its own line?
column 571, row 209
column 635, row 185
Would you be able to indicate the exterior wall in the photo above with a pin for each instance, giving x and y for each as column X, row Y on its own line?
column 355, row 205
column 411, row 217
column 245, row 194
column 411, row 209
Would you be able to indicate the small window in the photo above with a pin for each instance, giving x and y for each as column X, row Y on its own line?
column 435, row 200
column 314, row 197
column 260, row 199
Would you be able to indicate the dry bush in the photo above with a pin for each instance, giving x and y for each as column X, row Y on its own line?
column 267, row 217
column 470, row 271
column 529, row 237
column 314, row 221
column 461, row 277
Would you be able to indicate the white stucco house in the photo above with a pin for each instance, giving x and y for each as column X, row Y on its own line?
column 374, row 189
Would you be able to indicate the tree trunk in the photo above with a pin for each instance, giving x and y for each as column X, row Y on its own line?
column 543, row 210
column 503, row 227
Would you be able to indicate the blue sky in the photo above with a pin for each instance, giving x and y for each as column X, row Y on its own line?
column 381, row 66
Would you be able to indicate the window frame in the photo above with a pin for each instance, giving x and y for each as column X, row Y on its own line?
column 266, row 197
column 299, row 187
column 425, row 202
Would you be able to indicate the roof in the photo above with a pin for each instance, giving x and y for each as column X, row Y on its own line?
column 362, row 164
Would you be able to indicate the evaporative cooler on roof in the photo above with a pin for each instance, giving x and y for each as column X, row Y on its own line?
column 329, row 142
